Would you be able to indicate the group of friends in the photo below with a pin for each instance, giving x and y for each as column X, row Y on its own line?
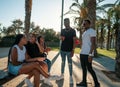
column 30, row 56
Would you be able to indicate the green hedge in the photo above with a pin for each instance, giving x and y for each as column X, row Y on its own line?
column 7, row 41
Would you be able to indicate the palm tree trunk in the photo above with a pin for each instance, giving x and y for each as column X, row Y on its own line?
column 108, row 39
column 117, row 65
column 101, row 37
column 28, row 7
column 91, row 6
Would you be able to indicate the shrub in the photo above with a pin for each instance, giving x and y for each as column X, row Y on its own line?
column 7, row 41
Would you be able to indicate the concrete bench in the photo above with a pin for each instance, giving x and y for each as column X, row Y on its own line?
column 7, row 80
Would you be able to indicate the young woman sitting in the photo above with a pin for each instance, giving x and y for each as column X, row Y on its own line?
column 20, row 63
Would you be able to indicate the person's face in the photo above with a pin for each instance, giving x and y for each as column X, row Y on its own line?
column 85, row 25
column 24, row 40
column 66, row 23
column 32, row 39
column 41, row 39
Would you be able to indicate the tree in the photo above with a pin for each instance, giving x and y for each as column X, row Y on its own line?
column 17, row 26
column 35, row 29
column 105, row 9
column 81, row 11
column 91, row 7
column 116, row 20
column 28, row 8
column 0, row 30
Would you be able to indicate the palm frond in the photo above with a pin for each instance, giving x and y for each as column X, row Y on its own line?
column 100, row 9
column 107, row 5
column 75, row 4
column 71, row 11
column 117, row 2
column 76, row 1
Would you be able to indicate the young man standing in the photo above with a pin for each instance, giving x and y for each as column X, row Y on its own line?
column 68, row 36
column 86, row 54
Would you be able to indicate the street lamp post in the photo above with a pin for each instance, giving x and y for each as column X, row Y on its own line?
column 62, row 14
column 62, row 10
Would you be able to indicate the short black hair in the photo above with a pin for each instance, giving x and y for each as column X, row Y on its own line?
column 87, row 20
column 66, row 19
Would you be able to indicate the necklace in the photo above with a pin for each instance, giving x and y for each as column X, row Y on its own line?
column 67, row 30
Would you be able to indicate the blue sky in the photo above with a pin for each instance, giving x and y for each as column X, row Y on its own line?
column 45, row 13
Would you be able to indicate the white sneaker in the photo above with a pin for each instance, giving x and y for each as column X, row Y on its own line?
column 47, row 81
column 42, row 77
column 61, row 77
column 29, row 84
column 53, row 77
column 71, row 80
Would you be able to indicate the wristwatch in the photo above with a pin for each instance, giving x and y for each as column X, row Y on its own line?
column 90, row 54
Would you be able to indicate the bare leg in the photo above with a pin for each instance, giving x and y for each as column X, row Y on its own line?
column 29, row 67
column 30, row 75
column 36, row 78
column 41, row 64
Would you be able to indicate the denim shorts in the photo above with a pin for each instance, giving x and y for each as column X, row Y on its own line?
column 12, row 69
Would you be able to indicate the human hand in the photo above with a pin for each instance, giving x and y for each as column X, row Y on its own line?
column 40, row 59
column 48, row 48
column 62, row 38
column 72, row 53
column 90, row 59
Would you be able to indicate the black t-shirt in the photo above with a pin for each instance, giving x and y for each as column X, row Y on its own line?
column 67, row 44
column 33, row 50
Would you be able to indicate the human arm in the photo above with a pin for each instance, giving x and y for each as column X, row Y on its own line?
column 41, row 49
column 74, row 43
column 93, row 42
column 14, row 57
column 62, row 35
column 62, row 38
column 29, row 59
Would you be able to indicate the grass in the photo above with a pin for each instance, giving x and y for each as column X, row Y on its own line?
column 108, row 53
column 101, row 52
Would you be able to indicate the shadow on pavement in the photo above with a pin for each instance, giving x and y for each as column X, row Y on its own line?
column 54, row 59
column 106, row 62
column 60, row 82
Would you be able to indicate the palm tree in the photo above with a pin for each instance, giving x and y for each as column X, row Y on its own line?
column 86, row 10
column 106, row 9
column 17, row 26
column 35, row 29
column 28, row 8
column 81, row 11
column 91, row 7
column 101, row 23
column 116, row 26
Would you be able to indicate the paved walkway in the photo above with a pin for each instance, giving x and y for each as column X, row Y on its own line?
column 99, row 64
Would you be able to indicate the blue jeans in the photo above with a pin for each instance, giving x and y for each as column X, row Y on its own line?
column 48, row 63
column 65, row 54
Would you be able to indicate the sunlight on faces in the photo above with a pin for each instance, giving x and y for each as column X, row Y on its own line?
column 32, row 38
column 24, row 40
column 41, row 39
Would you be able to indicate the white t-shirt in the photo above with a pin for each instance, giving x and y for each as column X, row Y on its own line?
column 21, row 53
column 86, row 40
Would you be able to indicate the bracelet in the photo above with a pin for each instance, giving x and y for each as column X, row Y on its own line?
column 90, row 54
